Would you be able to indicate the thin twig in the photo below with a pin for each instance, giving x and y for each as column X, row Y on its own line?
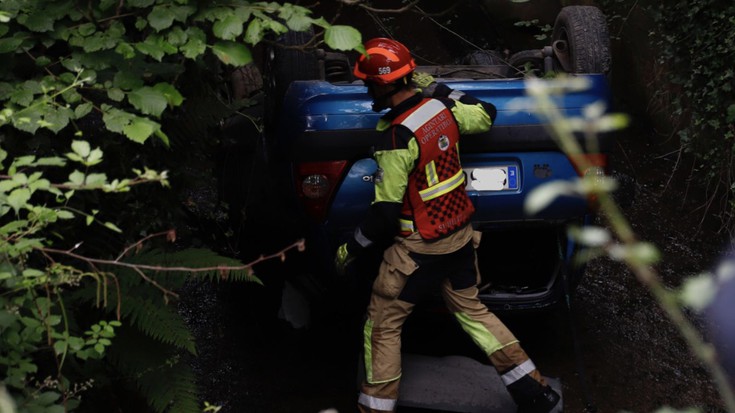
column 360, row 4
column 296, row 245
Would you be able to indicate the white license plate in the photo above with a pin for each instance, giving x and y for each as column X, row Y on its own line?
column 492, row 178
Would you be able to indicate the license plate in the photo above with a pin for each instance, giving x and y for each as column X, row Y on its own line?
column 492, row 178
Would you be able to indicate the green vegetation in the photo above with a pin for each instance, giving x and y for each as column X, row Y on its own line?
column 694, row 46
column 99, row 101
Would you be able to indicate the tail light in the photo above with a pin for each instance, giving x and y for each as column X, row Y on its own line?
column 316, row 183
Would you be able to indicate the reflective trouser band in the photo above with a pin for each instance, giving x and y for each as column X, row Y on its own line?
column 431, row 177
column 479, row 333
column 407, row 226
column 518, row 372
column 362, row 239
column 376, row 403
column 456, row 95
column 442, row 187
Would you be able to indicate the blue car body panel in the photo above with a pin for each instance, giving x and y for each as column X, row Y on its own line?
column 338, row 114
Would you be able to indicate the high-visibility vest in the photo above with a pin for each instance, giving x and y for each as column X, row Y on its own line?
column 435, row 203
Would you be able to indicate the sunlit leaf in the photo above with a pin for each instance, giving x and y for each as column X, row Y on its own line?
column 232, row 53
column 173, row 97
column 228, row 28
column 698, row 292
column 83, row 110
column 81, row 148
column 18, row 198
column 140, row 129
column 112, row 226
column 196, row 45
column 544, row 195
column 148, row 100
column 254, row 32
column 340, row 37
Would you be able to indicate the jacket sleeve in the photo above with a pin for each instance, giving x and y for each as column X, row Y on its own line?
column 396, row 157
column 473, row 115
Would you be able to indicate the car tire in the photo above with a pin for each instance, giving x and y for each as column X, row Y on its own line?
column 527, row 62
column 482, row 58
column 584, row 29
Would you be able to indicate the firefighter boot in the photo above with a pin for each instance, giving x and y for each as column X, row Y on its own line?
column 544, row 402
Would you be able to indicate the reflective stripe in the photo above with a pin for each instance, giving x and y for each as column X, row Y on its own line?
column 421, row 115
column 517, row 373
column 456, row 95
column 362, row 239
column 407, row 226
column 376, row 403
column 381, row 51
column 443, row 187
column 367, row 343
column 431, row 177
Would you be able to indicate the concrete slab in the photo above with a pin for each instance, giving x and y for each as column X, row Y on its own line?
column 456, row 384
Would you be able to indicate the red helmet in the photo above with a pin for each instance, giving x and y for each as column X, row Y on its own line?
column 385, row 62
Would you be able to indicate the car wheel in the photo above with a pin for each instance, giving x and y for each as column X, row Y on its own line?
column 527, row 62
column 580, row 33
column 482, row 58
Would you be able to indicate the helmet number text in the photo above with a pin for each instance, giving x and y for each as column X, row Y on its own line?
column 384, row 70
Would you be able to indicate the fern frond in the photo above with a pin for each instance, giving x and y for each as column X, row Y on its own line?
column 162, row 375
column 159, row 322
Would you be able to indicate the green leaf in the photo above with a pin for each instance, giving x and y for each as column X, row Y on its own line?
column 160, row 18
column 140, row 3
column 86, row 29
column 64, row 215
column 126, row 50
column 96, row 179
column 127, row 80
column 83, row 110
column 275, row 26
column 228, row 28
column 340, row 37
column 148, row 100
column 115, row 119
column 196, row 45
column 254, row 33
column 698, row 292
column 19, row 198
column 232, row 53
column 299, row 23
column 37, row 22
column 10, row 45
column 115, row 94
column 177, row 37
column 57, row 118
column 173, row 97
column 140, row 129
column 81, row 148
column 77, row 178
column 113, row 227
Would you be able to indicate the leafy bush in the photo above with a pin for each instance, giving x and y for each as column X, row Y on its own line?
column 694, row 42
column 701, row 58
column 99, row 98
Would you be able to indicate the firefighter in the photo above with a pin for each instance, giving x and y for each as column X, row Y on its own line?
column 420, row 201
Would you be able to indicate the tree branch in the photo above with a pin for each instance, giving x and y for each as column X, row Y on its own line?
column 360, row 4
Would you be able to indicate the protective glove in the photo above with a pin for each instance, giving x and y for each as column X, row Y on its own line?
column 342, row 259
column 424, row 82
